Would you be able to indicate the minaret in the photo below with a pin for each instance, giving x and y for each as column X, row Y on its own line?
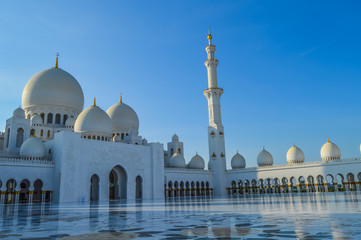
column 217, row 154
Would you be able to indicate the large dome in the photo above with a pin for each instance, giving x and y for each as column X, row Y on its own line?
column 53, row 87
column 238, row 161
column 264, row 158
column 93, row 121
column 33, row 147
column 295, row 155
column 330, row 151
column 123, row 117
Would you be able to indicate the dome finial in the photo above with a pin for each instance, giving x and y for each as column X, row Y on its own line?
column 196, row 152
column 264, row 148
column 294, row 144
column 121, row 98
column 237, row 151
column 328, row 139
column 209, row 33
column 56, row 61
column 94, row 103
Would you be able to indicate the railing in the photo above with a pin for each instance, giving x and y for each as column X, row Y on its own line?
column 21, row 160
column 345, row 160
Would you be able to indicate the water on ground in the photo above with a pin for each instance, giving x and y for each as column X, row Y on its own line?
column 273, row 216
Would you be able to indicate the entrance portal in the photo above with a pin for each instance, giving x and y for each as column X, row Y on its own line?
column 118, row 183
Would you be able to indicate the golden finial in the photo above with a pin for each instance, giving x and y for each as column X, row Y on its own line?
column 209, row 33
column 196, row 152
column 94, row 103
column 328, row 139
column 56, row 61
column 121, row 98
column 294, row 144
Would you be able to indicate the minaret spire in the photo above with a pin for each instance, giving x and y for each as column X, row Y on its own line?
column 216, row 146
column 56, row 61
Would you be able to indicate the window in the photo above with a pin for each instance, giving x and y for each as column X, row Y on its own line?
column 32, row 132
column 57, row 118
column 41, row 133
column 50, row 118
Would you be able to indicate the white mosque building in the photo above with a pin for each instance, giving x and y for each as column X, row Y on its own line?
column 52, row 149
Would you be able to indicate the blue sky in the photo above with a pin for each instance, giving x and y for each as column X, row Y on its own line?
column 290, row 70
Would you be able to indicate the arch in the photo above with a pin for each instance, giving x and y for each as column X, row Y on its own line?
column 122, row 136
column 32, row 132
column 24, row 191
column 321, row 183
column 254, row 186
column 293, row 184
column 38, row 192
column 246, row 185
column 311, row 184
column 171, row 152
column 41, row 132
column 192, row 188
column 48, row 134
column 330, row 183
column 138, row 187
column 19, row 137
column 240, row 187
column 65, row 118
column 170, row 188
column 57, row 118
column 351, row 182
column 202, row 188
column 187, row 189
column 207, row 188
column 340, row 182
column 10, row 191
column 181, row 186
column 50, row 118
column 94, row 188
column 197, row 189
column 118, row 183
column 176, row 189
column 285, row 185
column 359, row 180
column 179, row 150
column 277, row 186
column 302, row 184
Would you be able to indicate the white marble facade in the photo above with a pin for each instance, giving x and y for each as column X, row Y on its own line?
column 52, row 149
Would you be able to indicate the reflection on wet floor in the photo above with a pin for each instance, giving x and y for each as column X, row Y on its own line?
column 288, row 216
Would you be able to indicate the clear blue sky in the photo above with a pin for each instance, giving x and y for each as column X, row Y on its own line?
column 290, row 70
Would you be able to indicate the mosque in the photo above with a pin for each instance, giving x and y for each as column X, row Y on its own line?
column 52, row 149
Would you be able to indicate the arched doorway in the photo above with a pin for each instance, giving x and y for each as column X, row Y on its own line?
column 138, row 187
column 38, row 192
column 118, row 183
column 19, row 137
column 10, row 191
column 94, row 188
column 24, row 191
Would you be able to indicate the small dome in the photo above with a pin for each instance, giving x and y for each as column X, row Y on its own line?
column 19, row 113
column 238, row 161
column 295, row 155
column 116, row 138
column 93, row 121
column 123, row 117
column 175, row 138
column 264, row 158
column 33, row 147
column 177, row 160
column 330, row 151
column 196, row 162
column 36, row 120
column 144, row 141
column 53, row 87
column 70, row 122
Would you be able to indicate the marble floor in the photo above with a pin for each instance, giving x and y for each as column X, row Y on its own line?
column 282, row 216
